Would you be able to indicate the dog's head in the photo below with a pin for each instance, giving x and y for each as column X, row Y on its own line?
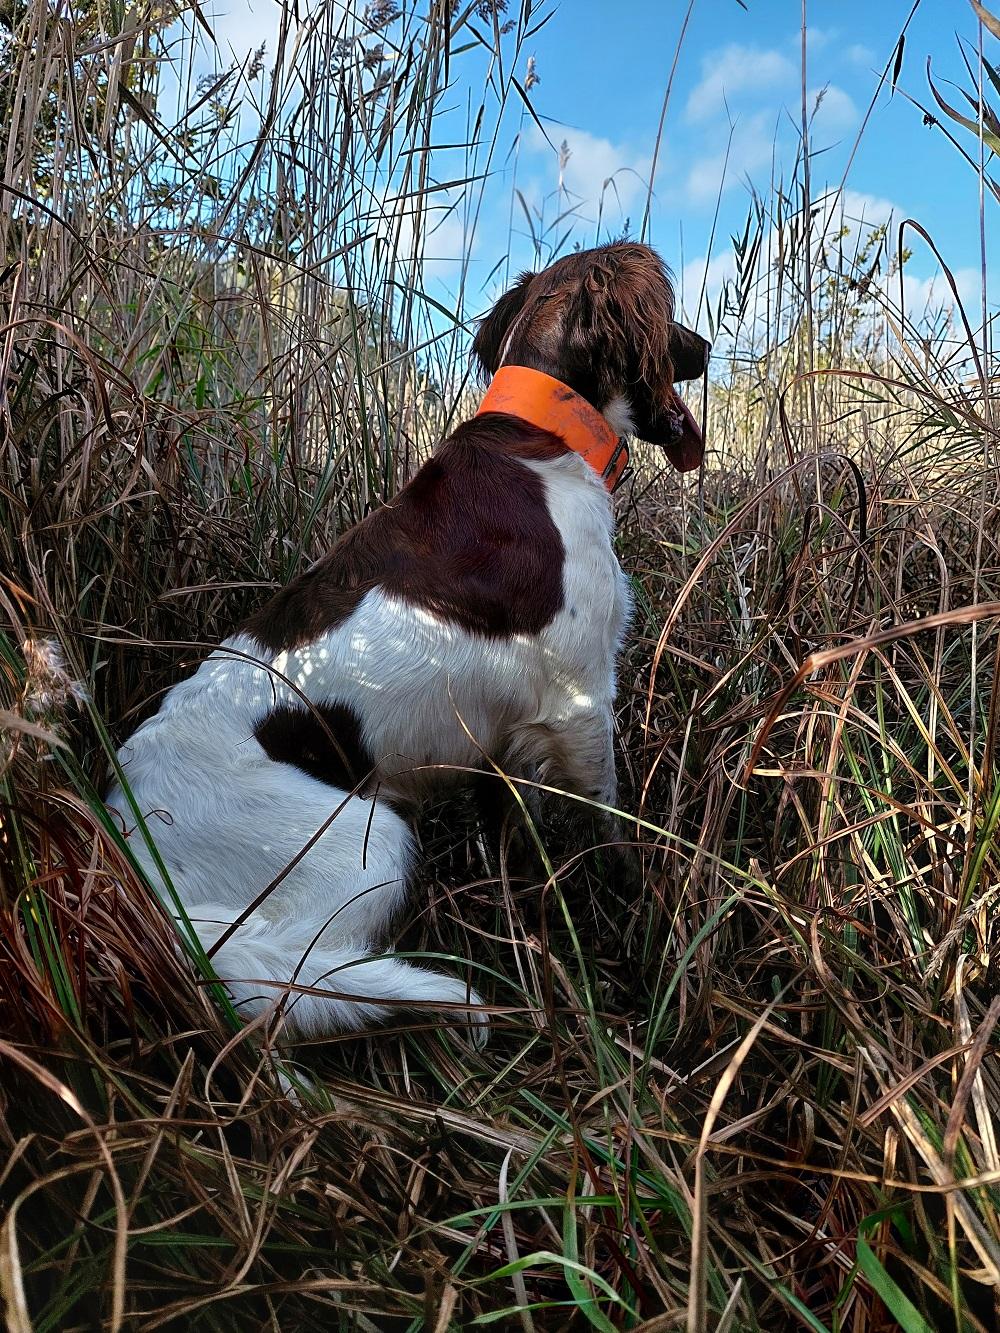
column 602, row 321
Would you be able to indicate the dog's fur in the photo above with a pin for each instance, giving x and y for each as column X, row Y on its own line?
column 478, row 613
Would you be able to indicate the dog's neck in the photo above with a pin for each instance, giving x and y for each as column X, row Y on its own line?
column 551, row 405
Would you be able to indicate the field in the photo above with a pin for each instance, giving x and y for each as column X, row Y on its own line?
column 765, row 1094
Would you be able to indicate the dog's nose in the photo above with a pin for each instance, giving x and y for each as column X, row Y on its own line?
column 689, row 353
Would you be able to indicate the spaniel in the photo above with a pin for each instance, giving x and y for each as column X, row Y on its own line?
column 475, row 617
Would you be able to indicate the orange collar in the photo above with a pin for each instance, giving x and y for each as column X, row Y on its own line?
column 553, row 406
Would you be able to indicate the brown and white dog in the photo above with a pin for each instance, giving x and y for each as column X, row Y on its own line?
column 478, row 613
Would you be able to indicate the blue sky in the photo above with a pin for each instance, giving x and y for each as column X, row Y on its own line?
column 603, row 67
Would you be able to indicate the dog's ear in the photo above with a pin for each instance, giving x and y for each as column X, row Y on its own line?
column 488, row 344
column 658, row 352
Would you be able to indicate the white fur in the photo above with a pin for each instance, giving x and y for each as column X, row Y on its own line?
column 227, row 820
column 618, row 415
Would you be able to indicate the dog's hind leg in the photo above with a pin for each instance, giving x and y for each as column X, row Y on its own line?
column 326, row 873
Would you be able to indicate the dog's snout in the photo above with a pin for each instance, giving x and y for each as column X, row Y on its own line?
column 689, row 353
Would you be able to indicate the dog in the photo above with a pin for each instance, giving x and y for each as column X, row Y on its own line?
column 475, row 617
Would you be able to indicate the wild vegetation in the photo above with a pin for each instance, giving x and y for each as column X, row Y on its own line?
column 763, row 1096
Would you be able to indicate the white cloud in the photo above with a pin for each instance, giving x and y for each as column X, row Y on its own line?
column 597, row 175
column 445, row 244
column 866, row 210
column 925, row 296
column 834, row 110
column 752, row 146
column 243, row 25
column 732, row 70
column 859, row 212
column 705, row 178
column 701, row 283
column 858, row 54
column 433, row 231
column 922, row 296
column 817, row 39
column 853, row 212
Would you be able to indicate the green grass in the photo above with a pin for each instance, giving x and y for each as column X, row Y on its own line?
column 763, row 1095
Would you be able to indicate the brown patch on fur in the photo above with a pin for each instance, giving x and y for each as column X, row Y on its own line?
column 324, row 741
column 469, row 539
column 602, row 321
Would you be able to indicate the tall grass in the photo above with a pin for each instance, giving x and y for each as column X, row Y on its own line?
column 762, row 1096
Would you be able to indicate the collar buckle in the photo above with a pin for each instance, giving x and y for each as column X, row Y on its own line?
column 614, row 469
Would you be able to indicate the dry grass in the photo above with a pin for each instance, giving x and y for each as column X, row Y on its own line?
column 763, row 1097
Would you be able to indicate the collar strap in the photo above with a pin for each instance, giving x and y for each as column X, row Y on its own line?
column 553, row 406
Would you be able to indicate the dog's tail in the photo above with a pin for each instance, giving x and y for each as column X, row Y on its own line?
column 321, row 989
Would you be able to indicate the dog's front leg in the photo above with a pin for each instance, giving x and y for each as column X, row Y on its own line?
column 502, row 810
column 576, row 756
